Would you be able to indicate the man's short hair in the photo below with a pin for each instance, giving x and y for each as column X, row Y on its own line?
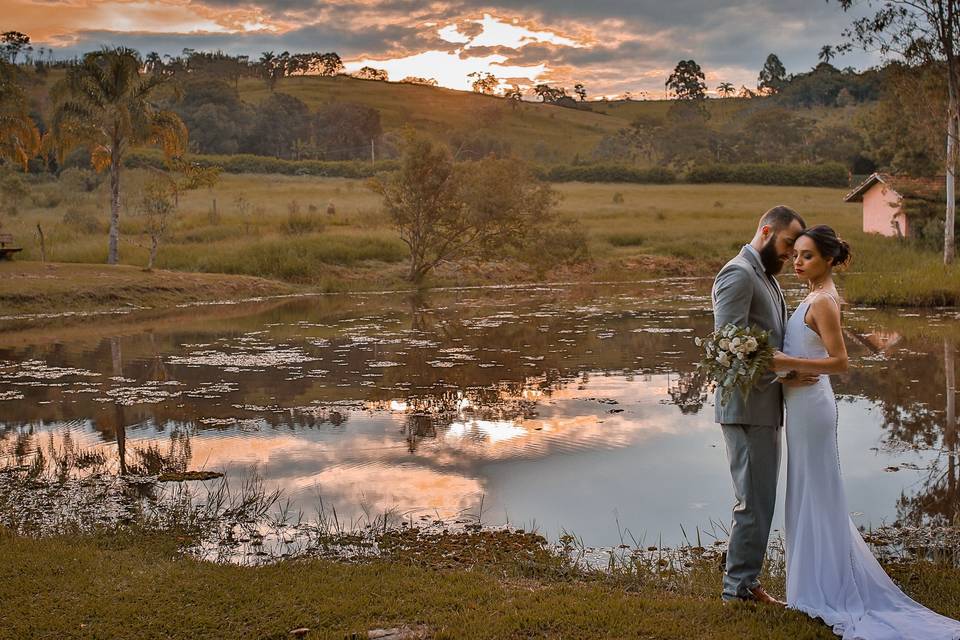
column 781, row 217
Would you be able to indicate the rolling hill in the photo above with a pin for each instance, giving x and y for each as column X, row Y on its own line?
column 536, row 131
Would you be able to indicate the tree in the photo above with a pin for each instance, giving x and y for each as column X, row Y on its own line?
column 314, row 63
column 776, row 134
column 687, row 84
column 330, row 64
column 819, row 86
column 161, row 198
column 217, row 119
column 549, row 94
column 153, row 63
column 726, row 89
column 515, row 95
column 445, row 211
column 622, row 146
column 217, row 65
column 905, row 129
column 826, row 54
column 429, row 82
column 273, row 67
column 19, row 136
column 104, row 105
column 279, row 121
column 581, row 91
column 921, row 32
column 12, row 43
column 369, row 73
column 483, row 82
column 687, row 81
column 345, row 130
column 773, row 76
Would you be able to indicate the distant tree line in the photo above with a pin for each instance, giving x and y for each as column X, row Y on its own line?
column 281, row 125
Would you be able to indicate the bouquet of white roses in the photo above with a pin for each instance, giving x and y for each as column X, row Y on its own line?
column 735, row 358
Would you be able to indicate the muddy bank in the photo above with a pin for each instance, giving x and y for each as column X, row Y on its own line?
column 47, row 289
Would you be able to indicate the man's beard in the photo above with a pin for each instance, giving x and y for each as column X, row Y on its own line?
column 769, row 258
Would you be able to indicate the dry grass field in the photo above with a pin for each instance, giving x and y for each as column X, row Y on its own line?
column 330, row 234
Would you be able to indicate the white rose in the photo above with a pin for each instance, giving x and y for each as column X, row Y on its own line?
column 724, row 359
column 751, row 345
column 724, row 344
column 735, row 343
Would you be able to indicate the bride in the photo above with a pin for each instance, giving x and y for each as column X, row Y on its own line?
column 831, row 573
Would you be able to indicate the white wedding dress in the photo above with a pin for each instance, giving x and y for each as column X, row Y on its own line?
column 831, row 572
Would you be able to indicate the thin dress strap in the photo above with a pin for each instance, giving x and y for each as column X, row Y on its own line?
column 826, row 293
column 836, row 301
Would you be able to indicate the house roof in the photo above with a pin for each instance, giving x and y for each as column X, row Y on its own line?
column 904, row 185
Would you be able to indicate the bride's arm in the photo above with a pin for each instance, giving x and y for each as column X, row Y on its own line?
column 826, row 318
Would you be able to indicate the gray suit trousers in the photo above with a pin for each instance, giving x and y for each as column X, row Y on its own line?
column 754, row 455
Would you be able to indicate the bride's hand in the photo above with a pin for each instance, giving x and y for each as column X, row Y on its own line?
column 780, row 361
column 800, row 380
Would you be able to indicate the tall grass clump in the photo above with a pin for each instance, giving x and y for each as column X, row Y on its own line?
column 891, row 272
column 626, row 239
column 302, row 258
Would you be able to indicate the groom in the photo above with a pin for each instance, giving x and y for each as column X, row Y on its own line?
column 746, row 293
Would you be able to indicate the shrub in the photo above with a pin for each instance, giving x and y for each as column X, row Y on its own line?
column 293, row 259
column 297, row 223
column 608, row 173
column 558, row 244
column 81, row 220
column 925, row 213
column 799, row 175
column 13, row 190
column 627, row 239
column 247, row 163
column 81, row 180
column 47, row 199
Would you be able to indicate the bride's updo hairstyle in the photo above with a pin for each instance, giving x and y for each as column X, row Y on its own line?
column 829, row 244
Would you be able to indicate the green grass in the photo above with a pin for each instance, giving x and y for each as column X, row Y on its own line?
column 888, row 272
column 134, row 586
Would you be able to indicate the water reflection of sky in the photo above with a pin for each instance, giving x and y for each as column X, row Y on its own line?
column 553, row 407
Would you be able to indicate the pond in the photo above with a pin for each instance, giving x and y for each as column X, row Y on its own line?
column 568, row 408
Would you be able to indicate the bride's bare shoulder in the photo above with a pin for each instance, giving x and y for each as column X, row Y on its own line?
column 826, row 306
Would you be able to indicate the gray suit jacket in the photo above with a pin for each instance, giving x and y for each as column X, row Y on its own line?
column 744, row 295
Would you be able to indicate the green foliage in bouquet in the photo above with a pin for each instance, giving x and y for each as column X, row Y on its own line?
column 735, row 358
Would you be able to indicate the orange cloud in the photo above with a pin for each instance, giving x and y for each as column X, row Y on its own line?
column 58, row 22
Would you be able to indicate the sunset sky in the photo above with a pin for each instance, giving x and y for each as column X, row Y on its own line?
column 611, row 46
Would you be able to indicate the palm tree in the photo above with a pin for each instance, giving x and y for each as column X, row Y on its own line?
column 19, row 136
column 103, row 104
column 725, row 89
column 826, row 54
column 153, row 62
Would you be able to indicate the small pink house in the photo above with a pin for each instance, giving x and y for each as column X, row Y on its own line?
column 882, row 195
column 881, row 206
